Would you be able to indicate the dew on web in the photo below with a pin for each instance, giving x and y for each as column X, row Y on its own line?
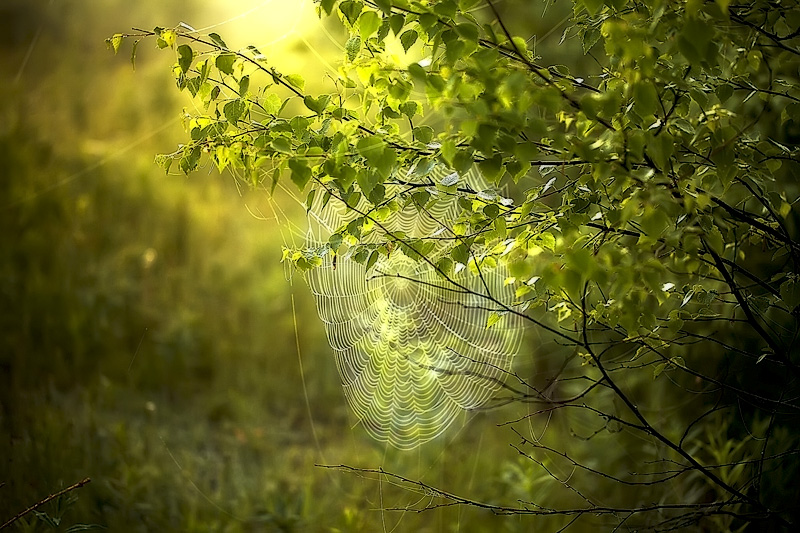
column 412, row 347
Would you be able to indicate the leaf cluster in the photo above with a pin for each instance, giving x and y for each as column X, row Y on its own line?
column 645, row 210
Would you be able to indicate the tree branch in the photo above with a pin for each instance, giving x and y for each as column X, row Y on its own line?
column 35, row 506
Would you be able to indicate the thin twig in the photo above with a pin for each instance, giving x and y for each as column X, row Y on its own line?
column 35, row 506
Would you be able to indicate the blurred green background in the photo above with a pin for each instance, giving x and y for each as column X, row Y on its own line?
column 147, row 333
column 150, row 338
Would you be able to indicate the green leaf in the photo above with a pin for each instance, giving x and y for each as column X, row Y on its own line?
column 445, row 8
column 351, row 9
column 592, row 6
column 221, row 157
column 462, row 161
column 423, row 134
column 234, row 110
column 371, row 148
column 190, row 159
column 276, row 177
column 491, row 210
column 645, row 98
column 299, row 125
column 420, row 198
column 335, row 241
column 385, row 6
column 520, row 45
column 417, row 71
column 386, row 162
column 217, row 40
column 165, row 38
column 185, row 56
column 281, row 144
column 317, row 105
column 373, row 258
column 310, row 200
column 449, row 151
column 714, row 239
column 408, row 38
column 409, row 108
column 589, row 37
column 546, row 240
column 492, row 169
column 416, row 249
column 193, row 85
column 368, row 23
column 244, row 85
column 724, row 92
column 468, row 31
column 301, row 173
column 296, row 81
column 115, row 41
column 362, row 255
column 445, row 266
column 460, row 254
column 327, row 6
column 654, row 222
column 353, row 47
column 225, row 61
column 164, row 161
column 694, row 41
column 660, row 148
column 396, row 22
column 366, row 179
column 272, row 103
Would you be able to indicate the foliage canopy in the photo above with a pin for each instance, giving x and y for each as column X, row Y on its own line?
column 643, row 206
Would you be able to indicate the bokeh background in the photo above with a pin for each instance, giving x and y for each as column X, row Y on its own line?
column 150, row 338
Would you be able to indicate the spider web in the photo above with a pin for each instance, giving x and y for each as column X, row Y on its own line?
column 412, row 347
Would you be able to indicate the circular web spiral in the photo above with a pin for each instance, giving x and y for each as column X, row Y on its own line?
column 412, row 348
